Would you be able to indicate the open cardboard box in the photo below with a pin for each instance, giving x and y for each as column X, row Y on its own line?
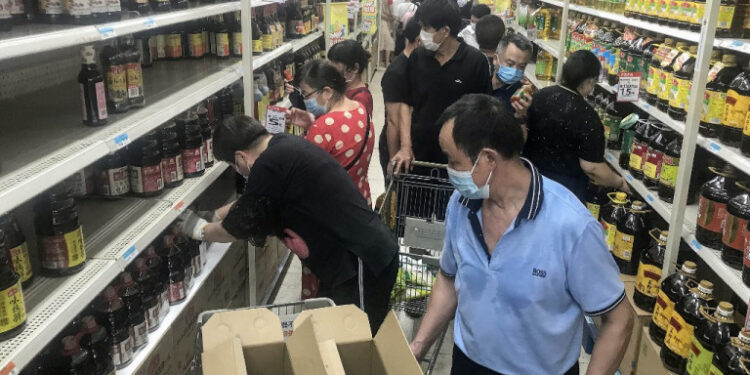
column 327, row 341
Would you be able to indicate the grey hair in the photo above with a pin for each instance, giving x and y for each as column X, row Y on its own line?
column 518, row 40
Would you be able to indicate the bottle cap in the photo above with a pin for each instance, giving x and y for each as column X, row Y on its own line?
column 70, row 346
column 729, row 59
column 689, row 267
column 669, row 41
column 725, row 309
column 693, row 50
column 126, row 280
column 706, row 287
column 88, row 324
column 140, row 264
column 637, row 205
column 110, row 294
column 663, row 235
column 88, row 54
column 744, row 337
column 621, row 196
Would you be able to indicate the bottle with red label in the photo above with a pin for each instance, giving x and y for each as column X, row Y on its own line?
column 113, row 177
column 713, row 333
column 192, row 147
column 649, row 272
column 115, row 72
column 639, row 149
column 712, row 206
column 192, row 249
column 150, row 292
column 75, row 360
column 18, row 249
column 111, row 311
column 12, row 306
column 134, row 72
column 101, row 362
column 208, row 138
column 652, row 166
column 130, row 292
column 171, row 162
column 187, row 260
column 160, row 271
column 93, row 96
column 734, row 230
column 175, row 48
column 687, row 315
column 60, row 235
column 146, row 178
column 95, row 340
column 175, row 260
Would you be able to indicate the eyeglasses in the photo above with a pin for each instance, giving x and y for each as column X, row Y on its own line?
column 307, row 96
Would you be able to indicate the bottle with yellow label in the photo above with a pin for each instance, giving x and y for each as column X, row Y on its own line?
column 720, row 76
column 654, row 70
column 611, row 214
column 597, row 197
column 18, row 249
column 62, row 250
column 649, row 272
column 666, row 75
column 712, row 334
column 728, row 20
column 12, row 307
column 687, row 315
column 672, row 289
column 732, row 358
column 699, row 10
column 682, row 81
column 631, row 238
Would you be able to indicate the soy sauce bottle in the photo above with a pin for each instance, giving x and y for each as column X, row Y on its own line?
column 146, row 179
column 150, row 292
column 713, row 333
column 160, row 271
column 11, row 295
column 669, row 168
column 631, row 238
column 734, row 230
column 727, row 359
column 130, row 292
column 649, row 272
column 655, row 155
column 686, row 317
column 715, row 99
column 712, row 207
column 134, row 72
column 611, row 215
column 18, row 249
column 60, row 234
column 597, row 197
column 93, row 96
column 613, row 114
column 639, row 151
column 738, row 98
column 208, row 138
column 672, row 289
column 101, row 363
column 175, row 262
column 75, row 360
column 113, row 315
column 171, row 162
column 117, row 80
column 192, row 150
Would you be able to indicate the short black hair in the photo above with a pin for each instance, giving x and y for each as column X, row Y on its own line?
column 349, row 52
column 412, row 29
column 234, row 134
column 517, row 40
column 580, row 66
column 490, row 31
column 321, row 73
column 498, row 129
column 440, row 13
column 480, row 10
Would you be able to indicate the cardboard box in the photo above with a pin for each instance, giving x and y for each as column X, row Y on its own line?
column 649, row 362
column 328, row 341
column 629, row 362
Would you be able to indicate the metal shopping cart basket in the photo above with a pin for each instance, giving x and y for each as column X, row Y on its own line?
column 286, row 311
column 413, row 207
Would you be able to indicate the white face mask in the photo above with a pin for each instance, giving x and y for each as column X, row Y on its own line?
column 427, row 41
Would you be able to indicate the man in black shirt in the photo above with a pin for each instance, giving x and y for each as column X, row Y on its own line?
column 300, row 193
column 440, row 72
column 513, row 54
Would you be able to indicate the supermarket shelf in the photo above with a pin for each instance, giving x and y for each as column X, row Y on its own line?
column 531, row 76
column 739, row 45
column 259, row 61
column 731, row 155
column 113, row 242
column 45, row 141
column 556, row 3
column 270, row 293
column 215, row 253
column 712, row 257
column 664, row 209
column 33, row 38
column 551, row 45
column 298, row 44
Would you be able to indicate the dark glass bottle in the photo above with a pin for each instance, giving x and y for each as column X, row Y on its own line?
column 115, row 69
column 12, row 302
column 267, row 37
column 149, row 292
column 639, row 149
column 713, row 333
column 257, row 34
column 681, row 83
column 627, row 128
column 140, row 6
column 712, row 207
column 597, row 197
column 672, row 289
column 18, row 249
column 223, row 47
column 114, row 180
column 62, row 248
column 738, row 99
column 669, row 167
column 161, row 5
column 146, row 179
column 160, row 271
column 75, row 360
column 50, row 11
column 130, row 292
column 98, row 338
column 734, row 229
column 77, row 12
column 631, row 238
column 686, row 317
column 236, row 36
column 611, row 215
column 613, row 115
column 727, row 359
column 180, row 4
column 111, row 312
column 134, row 73
column 192, row 147
column 195, row 41
column 715, row 99
column 649, row 273
column 101, row 362
column 655, row 155
column 176, row 263
column 208, row 138
column 171, row 162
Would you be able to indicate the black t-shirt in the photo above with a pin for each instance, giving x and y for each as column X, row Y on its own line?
column 432, row 88
column 395, row 83
column 505, row 93
column 295, row 184
column 563, row 128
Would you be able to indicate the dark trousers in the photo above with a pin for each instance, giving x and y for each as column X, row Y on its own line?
column 462, row 365
column 377, row 291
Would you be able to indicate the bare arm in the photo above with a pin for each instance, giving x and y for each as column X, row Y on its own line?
column 601, row 174
column 392, row 128
column 214, row 232
column 441, row 309
column 222, row 212
column 405, row 154
column 614, row 335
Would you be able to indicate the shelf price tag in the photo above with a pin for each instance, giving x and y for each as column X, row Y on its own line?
column 9, row 369
column 180, row 206
column 149, row 23
column 650, row 198
column 107, row 32
column 629, row 177
column 275, row 119
column 628, row 87
column 714, row 147
column 129, row 253
column 119, row 141
column 696, row 245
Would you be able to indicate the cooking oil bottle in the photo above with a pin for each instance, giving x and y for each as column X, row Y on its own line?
column 681, row 82
column 611, row 215
column 631, row 238
column 712, row 334
column 735, row 111
column 712, row 206
column 649, row 272
column 654, row 70
column 666, row 75
column 728, row 359
column 714, row 102
column 544, row 62
column 673, row 289
column 699, row 10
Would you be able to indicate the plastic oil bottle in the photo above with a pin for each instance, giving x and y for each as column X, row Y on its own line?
column 631, row 238
column 672, row 289
column 669, row 168
column 735, row 234
column 714, row 102
column 655, row 155
column 687, row 315
column 649, row 272
column 597, row 197
column 627, row 128
column 654, row 70
column 611, row 215
column 681, row 83
column 727, row 359
column 665, row 76
column 735, row 111
column 712, row 206
column 713, row 333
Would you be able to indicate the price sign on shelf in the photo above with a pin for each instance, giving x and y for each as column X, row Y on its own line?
column 275, row 119
column 628, row 87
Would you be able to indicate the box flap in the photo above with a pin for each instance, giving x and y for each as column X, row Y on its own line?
column 312, row 352
column 225, row 358
column 393, row 349
column 347, row 323
column 253, row 326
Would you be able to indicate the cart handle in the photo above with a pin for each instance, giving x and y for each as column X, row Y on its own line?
column 416, row 163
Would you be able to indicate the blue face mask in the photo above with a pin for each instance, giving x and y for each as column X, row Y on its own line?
column 509, row 75
column 464, row 183
column 312, row 106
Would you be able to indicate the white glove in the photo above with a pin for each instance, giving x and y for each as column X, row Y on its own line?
column 192, row 225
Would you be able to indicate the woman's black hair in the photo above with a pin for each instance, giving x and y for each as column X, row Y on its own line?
column 412, row 29
column 581, row 65
column 321, row 73
column 349, row 52
column 235, row 134
column 440, row 13
column 490, row 31
column 480, row 10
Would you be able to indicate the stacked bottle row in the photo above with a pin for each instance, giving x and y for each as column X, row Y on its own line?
column 667, row 69
column 108, row 334
column 541, row 21
column 545, row 66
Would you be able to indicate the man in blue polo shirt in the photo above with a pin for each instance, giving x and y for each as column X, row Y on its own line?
column 523, row 260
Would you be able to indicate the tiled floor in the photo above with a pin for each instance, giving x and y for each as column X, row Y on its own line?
column 290, row 288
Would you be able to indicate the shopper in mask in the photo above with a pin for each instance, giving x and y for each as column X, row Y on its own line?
column 301, row 194
column 441, row 71
column 565, row 136
column 523, row 261
column 468, row 34
column 513, row 54
column 351, row 60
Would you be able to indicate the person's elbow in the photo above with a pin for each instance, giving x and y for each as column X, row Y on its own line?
column 621, row 320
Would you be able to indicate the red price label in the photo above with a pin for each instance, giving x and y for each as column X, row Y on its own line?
column 628, row 87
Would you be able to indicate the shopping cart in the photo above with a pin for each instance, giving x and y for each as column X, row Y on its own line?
column 413, row 207
column 288, row 312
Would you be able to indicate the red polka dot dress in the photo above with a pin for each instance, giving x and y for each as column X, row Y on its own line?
column 342, row 134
